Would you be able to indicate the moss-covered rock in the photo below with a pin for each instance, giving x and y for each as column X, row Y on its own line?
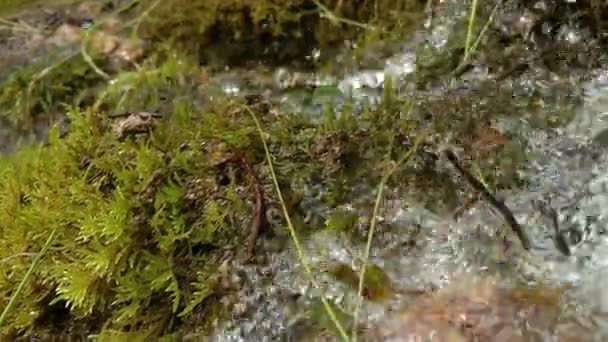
column 237, row 31
column 146, row 206
column 154, row 186
column 128, row 216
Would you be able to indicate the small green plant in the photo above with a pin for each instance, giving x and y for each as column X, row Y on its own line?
column 123, row 223
column 292, row 231
column 372, row 228
column 40, row 89
column 123, row 233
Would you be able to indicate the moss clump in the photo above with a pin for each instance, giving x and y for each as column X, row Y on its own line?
column 236, row 31
column 39, row 91
column 377, row 286
column 129, row 214
column 232, row 32
column 145, row 216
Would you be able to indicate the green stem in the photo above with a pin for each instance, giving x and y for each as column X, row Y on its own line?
column 467, row 46
column 372, row 227
column 329, row 15
column 470, row 51
column 30, row 271
column 298, row 247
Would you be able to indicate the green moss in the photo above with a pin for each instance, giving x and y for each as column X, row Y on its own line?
column 144, row 220
column 342, row 221
column 129, row 214
column 214, row 32
column 39, row 91
column 236, row 31
column 376, row 287
column 124, row 221
column 10, row 7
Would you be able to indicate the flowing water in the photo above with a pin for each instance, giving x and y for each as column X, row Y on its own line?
column 566, row 172
column 418, row 250
column 563, row 207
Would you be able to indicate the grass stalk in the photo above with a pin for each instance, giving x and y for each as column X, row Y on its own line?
column 329, row 15
column 26, row 278
column 485, row 28
column 38, row 77
column 372, row 228
column 87, row 58
column 137, row 21
column 470, row 50
column 298, row 247
column 467, row 44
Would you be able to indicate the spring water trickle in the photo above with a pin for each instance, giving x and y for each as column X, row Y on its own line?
column 567, row 171
column 566, row 174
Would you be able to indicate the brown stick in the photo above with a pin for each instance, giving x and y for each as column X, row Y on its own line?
column 499, row 205
column 559, row 239
column 259, row 220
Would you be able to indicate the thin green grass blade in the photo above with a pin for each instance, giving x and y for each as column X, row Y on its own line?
column 299, row 250
column 372, row 227
column 26, row 278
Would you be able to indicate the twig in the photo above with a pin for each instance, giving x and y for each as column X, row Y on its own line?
column 329, row 15
column 259, row 220
column 499, row 205
column 559, row 239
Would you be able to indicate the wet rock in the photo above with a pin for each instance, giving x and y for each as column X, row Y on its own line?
column 478, row 310
column 65, row 34
column 116, row 48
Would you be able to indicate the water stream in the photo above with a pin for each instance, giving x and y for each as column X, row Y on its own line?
column 418, row 250
column 565, row 174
